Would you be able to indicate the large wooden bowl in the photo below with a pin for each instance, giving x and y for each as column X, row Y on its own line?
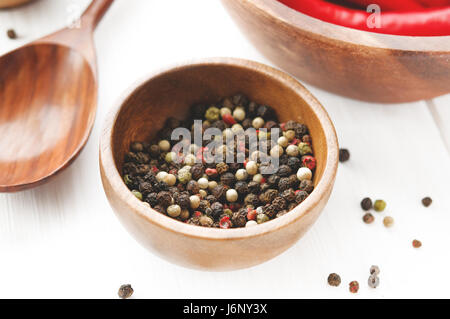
column 143, row 111
column 361, row 65
column 12, row 3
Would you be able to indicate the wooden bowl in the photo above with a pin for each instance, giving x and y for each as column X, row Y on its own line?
column 143, row 111
column 361, row 65
column 12, row 3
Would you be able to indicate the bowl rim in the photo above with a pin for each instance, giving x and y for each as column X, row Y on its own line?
column 111, row 173
column 344, row 35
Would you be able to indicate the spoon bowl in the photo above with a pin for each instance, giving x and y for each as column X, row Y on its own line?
column 48, row 102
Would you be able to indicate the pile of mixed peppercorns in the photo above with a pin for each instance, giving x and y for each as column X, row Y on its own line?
column 218, row 194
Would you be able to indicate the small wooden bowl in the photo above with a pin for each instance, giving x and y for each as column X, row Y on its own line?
column 361, row 65
column 143, row 111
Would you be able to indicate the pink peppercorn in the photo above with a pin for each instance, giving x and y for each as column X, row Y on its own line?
column 211, row 172
column 309, row 162
column 251, row 215
column 225, row 223
column 228, row 119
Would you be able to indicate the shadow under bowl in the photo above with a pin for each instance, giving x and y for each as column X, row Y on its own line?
column 170, row 93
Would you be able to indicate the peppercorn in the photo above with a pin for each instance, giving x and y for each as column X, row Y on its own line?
column 427, row 201
column 217, row 210
column 253, row 187
column 262, row 218
column 228, row 179
column 388, row 221
column 194, row 201
column 294, row 163
column 266, row 112
column 155, row 151
column 307, row 186
column 239, row 114
column 268, row 196
column 300, row 197
column 279, row 203
column 152, row 199
column 212, row 114
column 184, row 176
column 273, row 180
column 11, row 33
column 304, row 173
column 309, row 162
column 174, row 211
column 145, row 188
column 251, row 223
column 232, row 195
column 136, row 147
column 374, row 270
column 251, row 199
column 211, row 199
column 222, row 168
column 183, row 200
column 284, row 171
column 417, row 243
column 128, row 180
column 204, row 205
column 334, row 280
column 192, row 187
column 137, row 194
column 219, row 192
column 241, row 187
column 290, row 135
column 197, row 171
column 164, row 198
column 366, row 204
column 373, row 281
column 354, row 287
column 304, row 149
column 276, row 151
column 206, row 221
column 125, row 291
column 284, row 184
column 306, row 139
column 288, row 195
column 379, row 205
column 239, row 218
column 292, row 150
column 290, row 125
column 368, row 218
column 344, row 155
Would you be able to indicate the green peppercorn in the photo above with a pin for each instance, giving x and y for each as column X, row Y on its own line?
column 262, row 218
column 304, row 149
column 127, row 179
column 379, row 205
column 137, row 194
column 184, row 176
column 212, row 114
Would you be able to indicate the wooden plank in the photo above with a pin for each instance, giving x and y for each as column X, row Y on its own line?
column 61, row 238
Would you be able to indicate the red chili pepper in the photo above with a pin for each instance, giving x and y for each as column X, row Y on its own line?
column 225, row 223
column 390, row 5
column 426, row 22
column 434, row 3
column 228, row 119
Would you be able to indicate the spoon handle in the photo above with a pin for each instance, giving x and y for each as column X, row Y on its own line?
column 94, row 13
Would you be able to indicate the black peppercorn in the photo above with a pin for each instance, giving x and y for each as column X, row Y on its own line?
column 334, row 280
column 239, row 218
column 300, row 131
column 145, row 188
column 251, row 199
column 266, row 112
column 366, row 204
column 192, row 187
column 427, row 201
column 254, row 187
column 228, row 179
column 268, row 196
column 222, row 168
column 284, row 171
column 217, row 210
column 270, row 125
column 247, row 123
column 204, row 204
column 344, row 155
column 164, row 199
column 279, row 203
column 288, row 195
column 211, row 199
column 11, row 34
column 197, row 171
column 152, row 199
column 183, row 201
column 273, row 180
column 284, row 184
column 219, row 193
column 233, row 167
column 300, row 197
column 241, row 187
column 306, row 186
column 159, row 209
column 294, row 163
column 198, row 111
column 125, row 291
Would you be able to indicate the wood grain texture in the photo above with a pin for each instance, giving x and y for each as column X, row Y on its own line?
column 141, row 114
column 48, row 104
column 361, row 65
column 62, row 237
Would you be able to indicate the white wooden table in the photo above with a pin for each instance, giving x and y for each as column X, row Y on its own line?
column 62, row 239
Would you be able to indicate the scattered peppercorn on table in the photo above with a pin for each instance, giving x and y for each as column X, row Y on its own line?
column 396, row 153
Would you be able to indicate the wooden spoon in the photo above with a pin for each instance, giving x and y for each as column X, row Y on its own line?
column 48, row 101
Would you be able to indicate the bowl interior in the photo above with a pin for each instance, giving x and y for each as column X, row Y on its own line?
column 171, row 93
